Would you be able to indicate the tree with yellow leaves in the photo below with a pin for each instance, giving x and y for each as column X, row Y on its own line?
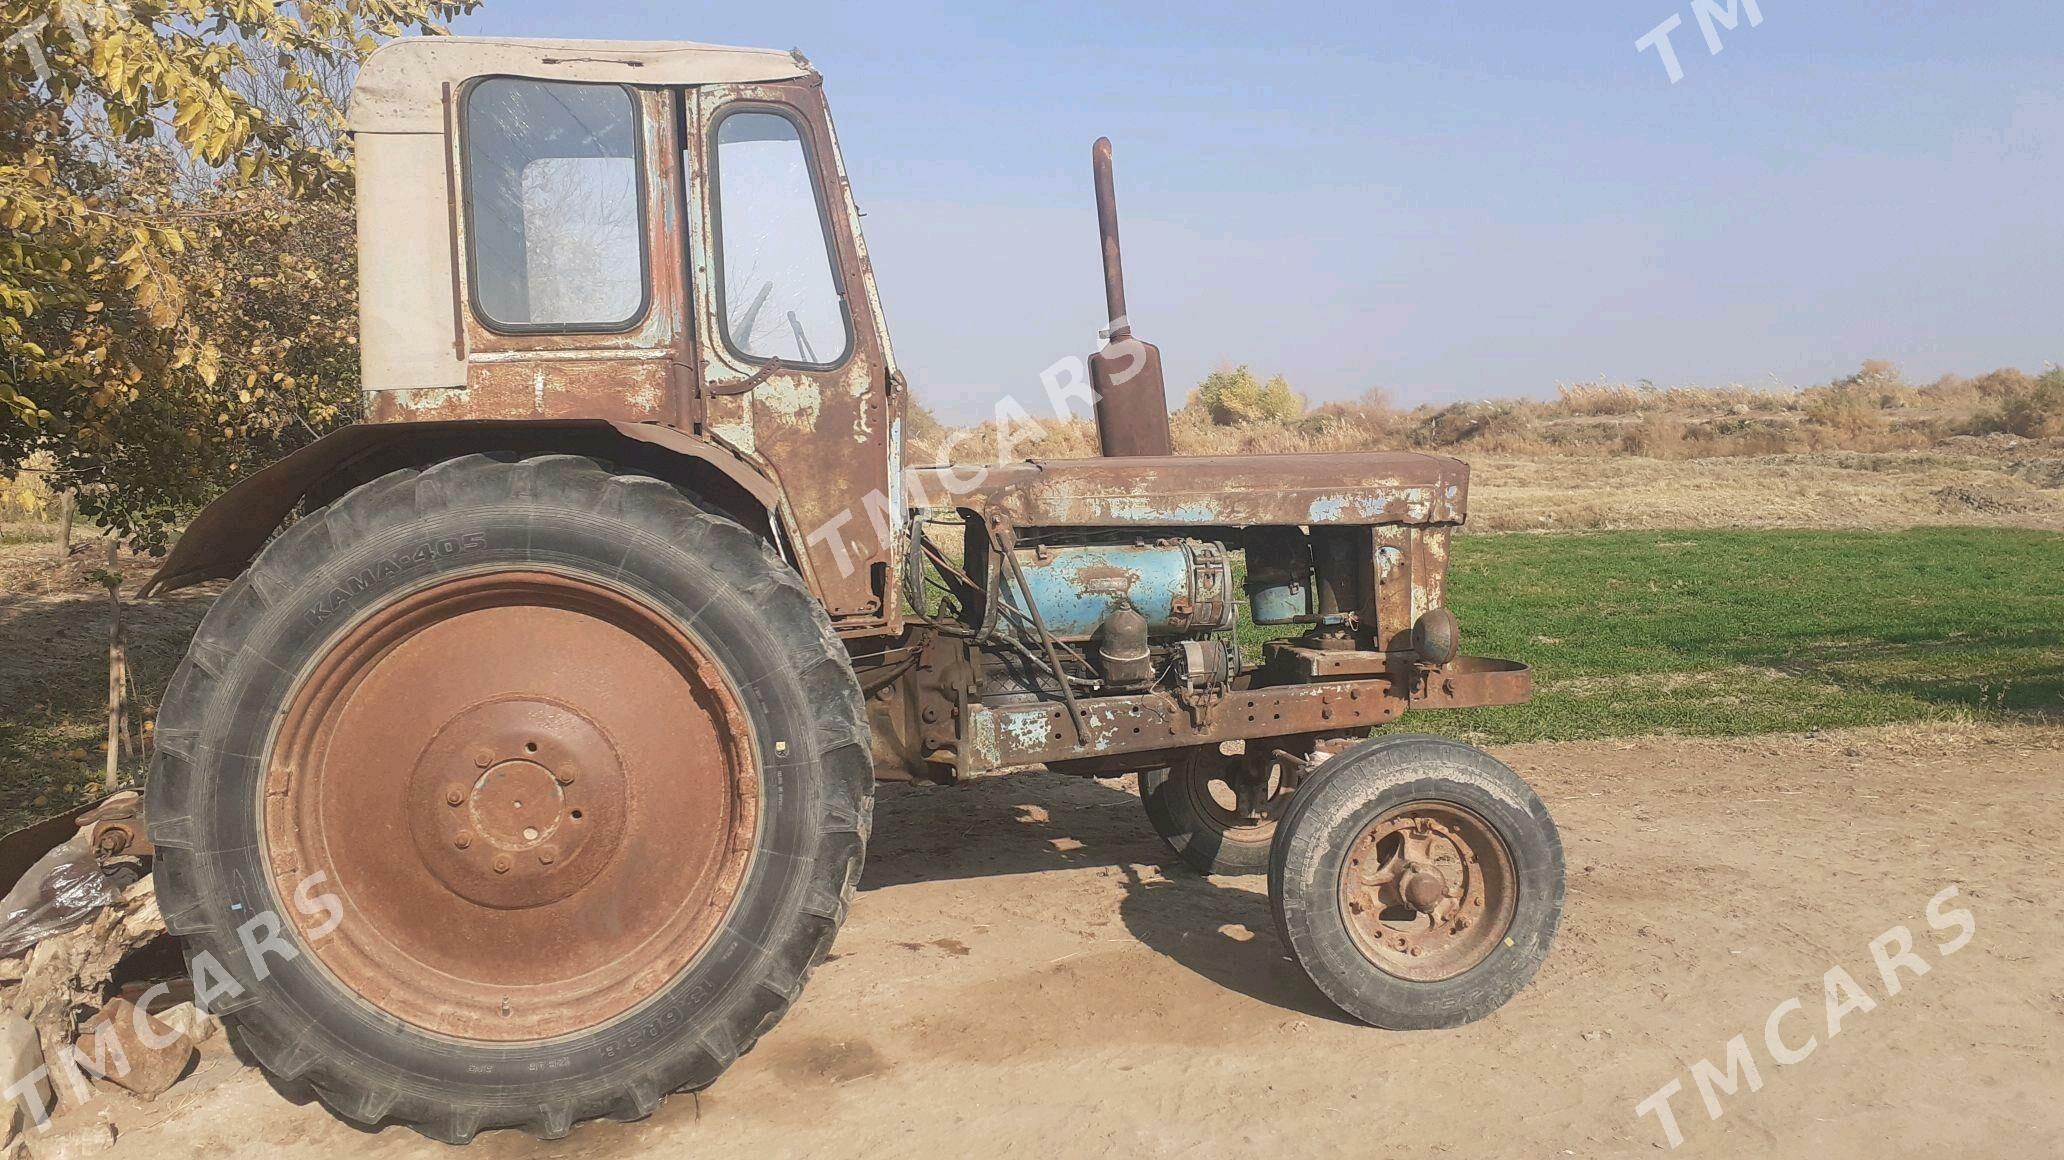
column 176, row 275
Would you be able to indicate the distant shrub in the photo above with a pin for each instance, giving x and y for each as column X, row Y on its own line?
column 1880, row 380
column 2003, row 383
column 1736, row 399
column 2034, row 411
column 25, row 497
column 1232, row 397
column 922, row 434
column 1850, row 412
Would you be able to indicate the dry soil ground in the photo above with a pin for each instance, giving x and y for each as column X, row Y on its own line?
column 1027, row 973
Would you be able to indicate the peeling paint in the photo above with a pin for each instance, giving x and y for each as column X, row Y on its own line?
column 794, row 400
column 419, row 402
column 738, row 434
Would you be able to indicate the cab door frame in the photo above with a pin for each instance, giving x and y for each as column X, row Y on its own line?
column 830, row 436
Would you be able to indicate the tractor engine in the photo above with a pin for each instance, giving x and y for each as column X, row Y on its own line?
column 1140, row 612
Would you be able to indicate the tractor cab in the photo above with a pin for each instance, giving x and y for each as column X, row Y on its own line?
column 640, row 234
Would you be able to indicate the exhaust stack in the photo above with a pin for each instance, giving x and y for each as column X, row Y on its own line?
column 1131, row 403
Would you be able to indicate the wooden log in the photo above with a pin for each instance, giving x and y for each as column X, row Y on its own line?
column 117, row 743
column 67, row 507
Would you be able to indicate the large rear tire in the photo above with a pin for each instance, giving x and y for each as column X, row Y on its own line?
column 508, row 794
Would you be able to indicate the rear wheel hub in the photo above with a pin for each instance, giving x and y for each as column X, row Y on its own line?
column 538, row 822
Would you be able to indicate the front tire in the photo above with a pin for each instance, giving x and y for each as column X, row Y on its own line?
column 1417, row 881
column 508, row 794
column 1216, row 813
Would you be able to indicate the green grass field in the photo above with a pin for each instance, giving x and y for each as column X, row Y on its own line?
column 1730, row 633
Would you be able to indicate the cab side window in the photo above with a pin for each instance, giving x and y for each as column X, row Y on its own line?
column 554, row 214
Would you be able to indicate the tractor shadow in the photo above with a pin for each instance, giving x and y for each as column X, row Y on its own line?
column 1034, row 823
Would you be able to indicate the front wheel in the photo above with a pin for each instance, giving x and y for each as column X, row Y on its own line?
column 508, row 794
column 1217, row 813
column 1417, row 881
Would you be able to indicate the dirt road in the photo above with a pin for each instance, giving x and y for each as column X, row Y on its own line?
column 1026, row 974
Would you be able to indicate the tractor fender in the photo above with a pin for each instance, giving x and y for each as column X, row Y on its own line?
column 228, row 533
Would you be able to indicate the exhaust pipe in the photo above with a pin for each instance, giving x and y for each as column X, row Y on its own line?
column 1131, row 403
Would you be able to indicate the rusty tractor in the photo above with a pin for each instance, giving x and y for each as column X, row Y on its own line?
column 524, row 769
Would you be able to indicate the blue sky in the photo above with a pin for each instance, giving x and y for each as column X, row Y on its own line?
column 1445, row 201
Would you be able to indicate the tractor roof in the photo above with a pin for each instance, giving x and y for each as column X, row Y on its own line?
column 401, row 87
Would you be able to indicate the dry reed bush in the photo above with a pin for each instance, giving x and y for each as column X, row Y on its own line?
column 1599, row 398
column 1493, row 425
column 1842, row 412
column 2034, row 410
column 1595, row 399
column 2003, row 383
column 1950, row 393
column 1657, row 436
column 1009, row 440
column 1737, row 399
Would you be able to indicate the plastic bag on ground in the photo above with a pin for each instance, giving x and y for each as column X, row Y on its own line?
column 62, row 890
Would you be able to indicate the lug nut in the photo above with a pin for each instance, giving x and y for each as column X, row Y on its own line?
column 548, row 855
column 454, row 796
column 564, row 776
column 483, row 758
column 462, row 839
column 502, row 864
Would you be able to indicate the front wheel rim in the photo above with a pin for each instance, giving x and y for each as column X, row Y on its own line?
column 1216, row 798
column 1428, row 890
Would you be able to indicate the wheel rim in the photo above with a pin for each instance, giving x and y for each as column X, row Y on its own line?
column 1428, row 890
column 1239, row 813
column 534, row 796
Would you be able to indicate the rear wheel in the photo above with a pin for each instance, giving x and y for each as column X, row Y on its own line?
column 509, row 794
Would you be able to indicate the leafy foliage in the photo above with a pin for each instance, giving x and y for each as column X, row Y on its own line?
column 175, row 246
column 1234, row 397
